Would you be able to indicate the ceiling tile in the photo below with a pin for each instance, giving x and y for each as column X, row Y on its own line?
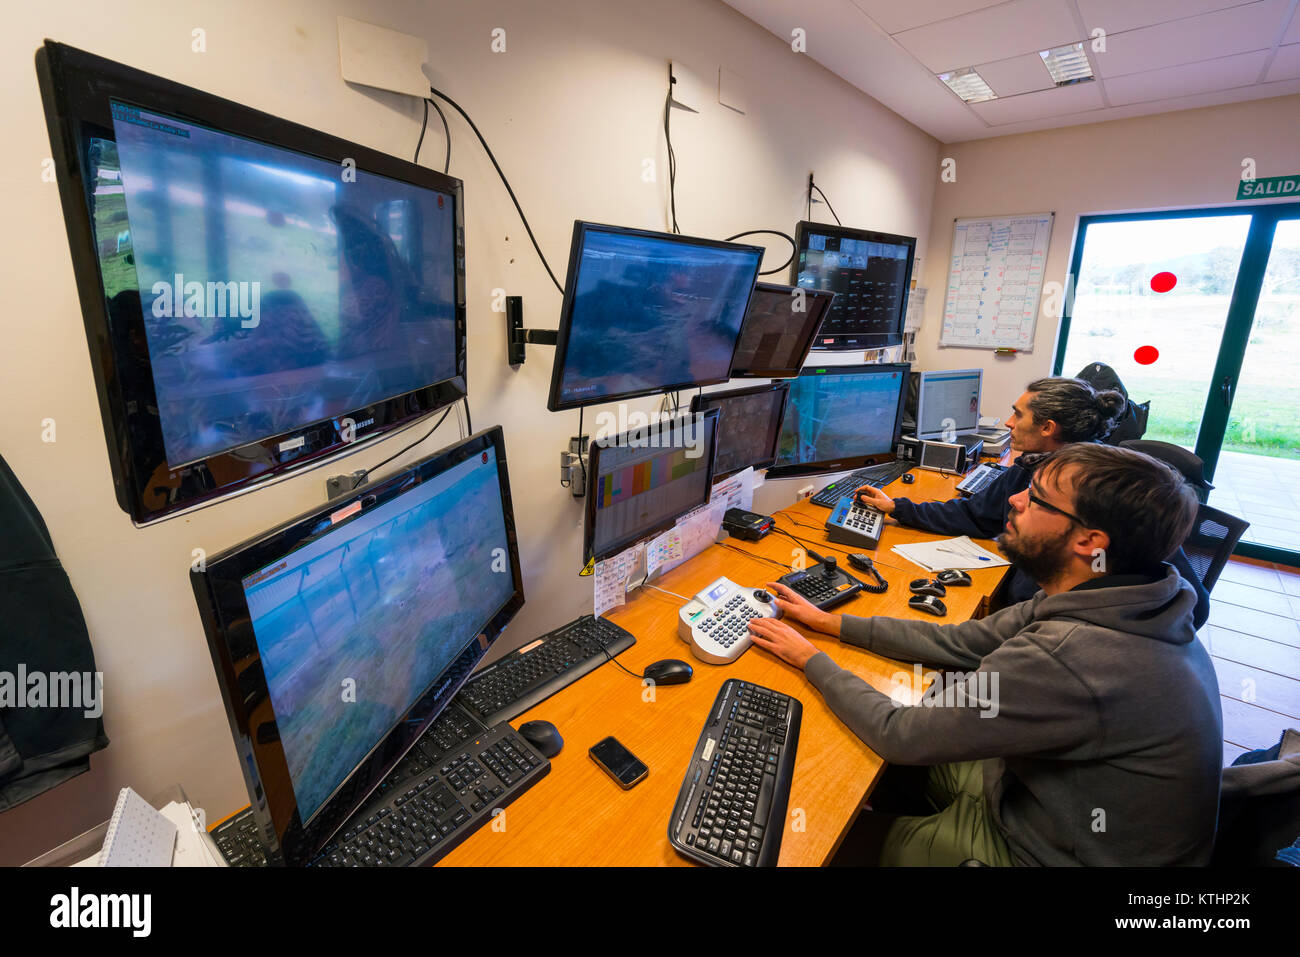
column 1116, row 15
column 1057, row 101
column 1007, row 30
column 1292, row 34
column 1253, row 26
column 1286, row 64
column 1220, row 74
column 894, row 17
column 1019, row 74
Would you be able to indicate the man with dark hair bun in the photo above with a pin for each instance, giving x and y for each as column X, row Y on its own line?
column 1049, row 415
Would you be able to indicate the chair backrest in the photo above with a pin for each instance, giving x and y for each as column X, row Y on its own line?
column 1132, row 422
column 1214, row 535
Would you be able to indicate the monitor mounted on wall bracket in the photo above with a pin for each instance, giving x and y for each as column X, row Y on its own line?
column 259, row 297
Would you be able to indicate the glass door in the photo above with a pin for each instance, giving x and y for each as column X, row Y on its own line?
column 1198, row 311
column 1151, row 301
column 1257, row 476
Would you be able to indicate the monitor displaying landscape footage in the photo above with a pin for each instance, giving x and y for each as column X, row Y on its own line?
column 778, row 330
column 395, row 594
column 868, row 271
column 642, row 481
column 647, row 312
column 257, row 295
column 841, row 417
column 749, row 424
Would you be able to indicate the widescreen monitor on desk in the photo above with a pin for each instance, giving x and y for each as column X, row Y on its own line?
column 394, row 588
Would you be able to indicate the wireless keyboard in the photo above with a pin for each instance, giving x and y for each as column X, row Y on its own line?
column 529, row 675
column 730, row 811
column 877, row 476
column 979, row 479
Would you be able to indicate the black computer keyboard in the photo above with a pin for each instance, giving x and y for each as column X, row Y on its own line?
column 445, row 788
column 240, row 841
column 877, row 475
column 436, row 798
column 979, row 479
column 527, row 676
column 731, row 807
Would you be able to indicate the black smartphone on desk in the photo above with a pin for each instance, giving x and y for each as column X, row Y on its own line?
column 618, row 762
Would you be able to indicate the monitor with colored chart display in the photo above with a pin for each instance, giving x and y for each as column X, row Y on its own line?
column 643, row 480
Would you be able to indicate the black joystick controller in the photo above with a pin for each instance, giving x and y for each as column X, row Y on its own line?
column 829, row 565
column 763, row 596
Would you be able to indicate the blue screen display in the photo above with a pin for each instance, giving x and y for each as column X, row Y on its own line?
column 651, row 313
column 278, row 289
column 831, row 417
column 381, row 606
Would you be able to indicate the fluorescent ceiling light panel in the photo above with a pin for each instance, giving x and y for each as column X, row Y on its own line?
column 1067, row 64
column 969, row 85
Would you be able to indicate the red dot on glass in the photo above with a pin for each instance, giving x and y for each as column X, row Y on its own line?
column 1145, row 355
column 1163, row 282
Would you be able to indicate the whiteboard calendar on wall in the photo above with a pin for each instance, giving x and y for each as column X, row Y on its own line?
column 995, row 280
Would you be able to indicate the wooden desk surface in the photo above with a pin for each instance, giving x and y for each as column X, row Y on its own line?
column 577, row 815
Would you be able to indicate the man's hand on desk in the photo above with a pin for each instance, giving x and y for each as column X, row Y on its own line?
column 794, row 607
column 875, row 498
column 783, row 641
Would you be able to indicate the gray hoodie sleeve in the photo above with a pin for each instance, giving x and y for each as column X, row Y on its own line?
column 1021, row 700
column 950, row 646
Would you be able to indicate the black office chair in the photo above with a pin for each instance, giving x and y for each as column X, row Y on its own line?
column 1132, row 423
column 1215, row 533
column 1208, row 548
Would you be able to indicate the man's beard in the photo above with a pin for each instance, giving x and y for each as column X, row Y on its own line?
column 1043, row 560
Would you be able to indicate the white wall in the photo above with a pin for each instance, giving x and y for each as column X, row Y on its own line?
column 1190, row 158
column 570, row 109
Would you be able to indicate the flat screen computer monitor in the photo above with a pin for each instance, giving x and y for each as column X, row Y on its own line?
column 749, row 424
column 258, row 296
column 947, row 403
column 778, row 331
column 647, row 312
column 841, row 417
column 339, row 637
column 643, row 480
column 868, row 271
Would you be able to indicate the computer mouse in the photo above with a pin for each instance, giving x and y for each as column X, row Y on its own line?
column 926, row 586
column 544, row 736
column 928, row 604
column 670, row 671
column 952, row 576
column 908, row 478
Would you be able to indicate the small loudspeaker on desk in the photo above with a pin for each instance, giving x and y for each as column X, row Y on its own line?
column 716, row 621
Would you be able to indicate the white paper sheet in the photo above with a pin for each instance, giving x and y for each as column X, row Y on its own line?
column 949, row 553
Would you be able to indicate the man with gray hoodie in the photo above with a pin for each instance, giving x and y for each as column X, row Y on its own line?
column 1087, row 729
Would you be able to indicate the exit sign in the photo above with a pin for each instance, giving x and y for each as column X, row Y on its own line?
column 1265, row 188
